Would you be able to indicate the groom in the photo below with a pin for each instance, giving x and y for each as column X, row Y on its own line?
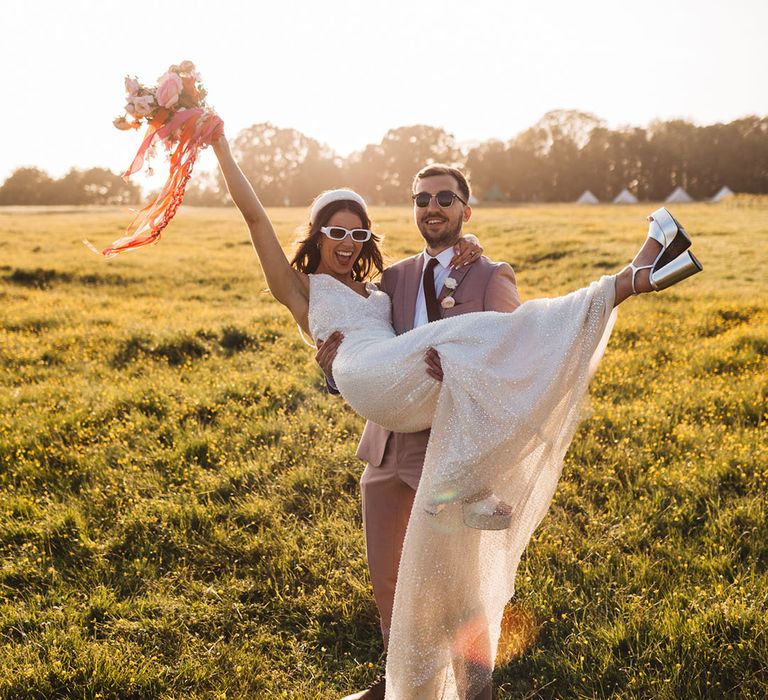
column 423, row 288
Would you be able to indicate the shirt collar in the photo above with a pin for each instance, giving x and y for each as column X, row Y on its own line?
column 444, row 258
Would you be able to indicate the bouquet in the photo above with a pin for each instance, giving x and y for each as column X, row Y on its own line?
column 176, row 115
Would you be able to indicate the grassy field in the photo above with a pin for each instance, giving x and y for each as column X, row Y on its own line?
column 179, row 506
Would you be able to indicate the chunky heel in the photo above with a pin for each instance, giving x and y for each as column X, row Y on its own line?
column 433, row 508
column 489, row 514
column 682, row 267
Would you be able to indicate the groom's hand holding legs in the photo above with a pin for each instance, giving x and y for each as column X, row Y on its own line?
column 434, row 367
column 326, row 352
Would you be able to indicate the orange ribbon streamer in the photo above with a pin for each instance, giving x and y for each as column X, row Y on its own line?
column 187, row 132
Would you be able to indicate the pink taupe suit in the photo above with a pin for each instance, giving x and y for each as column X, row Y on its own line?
column 395, row 460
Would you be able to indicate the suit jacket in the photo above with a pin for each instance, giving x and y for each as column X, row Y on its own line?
column 481, row 286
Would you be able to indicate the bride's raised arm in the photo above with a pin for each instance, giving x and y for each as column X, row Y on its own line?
column 289, row 286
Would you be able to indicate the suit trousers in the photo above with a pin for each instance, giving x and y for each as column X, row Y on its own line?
column 387, row 502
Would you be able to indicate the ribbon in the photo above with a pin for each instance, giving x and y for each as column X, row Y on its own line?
column 187, row 132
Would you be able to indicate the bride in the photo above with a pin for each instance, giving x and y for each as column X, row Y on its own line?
column 501, row 419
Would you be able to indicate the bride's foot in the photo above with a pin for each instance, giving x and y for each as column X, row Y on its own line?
column 489, row 513
column 640, row 269
column 663, row 260
column 482, row 511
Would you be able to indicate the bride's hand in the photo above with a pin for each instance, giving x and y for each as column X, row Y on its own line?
column 468, row 250
column 218, row 132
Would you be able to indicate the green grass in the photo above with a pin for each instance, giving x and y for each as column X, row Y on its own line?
column 179, row 507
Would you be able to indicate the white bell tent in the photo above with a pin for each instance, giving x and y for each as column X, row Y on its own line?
column 679, row 196
column 625, row 197
column 723, row 193
column 587, row 198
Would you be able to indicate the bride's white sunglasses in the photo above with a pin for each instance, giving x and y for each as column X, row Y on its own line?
column 339, row 233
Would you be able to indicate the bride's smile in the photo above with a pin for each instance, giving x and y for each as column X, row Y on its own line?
column 338, row 257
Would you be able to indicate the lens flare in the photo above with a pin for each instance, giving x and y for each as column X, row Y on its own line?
column 446, row 496
column 519, row 630
column 471, row 643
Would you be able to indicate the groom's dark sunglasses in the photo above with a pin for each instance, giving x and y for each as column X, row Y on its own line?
column 444, row 199
column 339, row 233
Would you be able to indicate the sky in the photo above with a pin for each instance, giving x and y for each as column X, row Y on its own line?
column 345, row 72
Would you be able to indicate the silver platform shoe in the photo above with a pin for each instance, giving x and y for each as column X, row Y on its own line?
column 675, row 262
column 482, row 512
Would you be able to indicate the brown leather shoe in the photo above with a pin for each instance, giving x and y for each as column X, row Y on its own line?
column 374, row 692
column 486, row 693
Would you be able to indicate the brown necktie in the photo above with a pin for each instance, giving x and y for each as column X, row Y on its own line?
column 433, row 308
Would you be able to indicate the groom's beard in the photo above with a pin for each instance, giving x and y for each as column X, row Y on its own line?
column 443, row 240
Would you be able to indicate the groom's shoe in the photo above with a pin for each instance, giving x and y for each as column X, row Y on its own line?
column 486, row 693
column 374, row 692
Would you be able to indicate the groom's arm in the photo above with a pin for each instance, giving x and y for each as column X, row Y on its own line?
column 326, row 354
column 501, row 291
column 500, row 295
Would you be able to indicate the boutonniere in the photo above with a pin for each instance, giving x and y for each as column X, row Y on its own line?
column 448, row 301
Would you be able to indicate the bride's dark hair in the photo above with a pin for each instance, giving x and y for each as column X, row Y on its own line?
column 369, row 263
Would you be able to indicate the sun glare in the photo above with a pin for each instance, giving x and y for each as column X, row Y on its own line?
column 345, row 73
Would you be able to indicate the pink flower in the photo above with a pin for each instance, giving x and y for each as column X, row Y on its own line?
column 131, row 86
column 122, row 123
column 448, row 303
column 140, row 106
column 168, row 90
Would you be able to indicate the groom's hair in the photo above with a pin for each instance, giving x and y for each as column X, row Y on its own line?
column 441, row 169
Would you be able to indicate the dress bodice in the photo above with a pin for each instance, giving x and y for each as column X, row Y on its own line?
column 334, row 306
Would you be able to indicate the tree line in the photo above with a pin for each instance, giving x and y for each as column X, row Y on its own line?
column 33, row 186
column 558, row 158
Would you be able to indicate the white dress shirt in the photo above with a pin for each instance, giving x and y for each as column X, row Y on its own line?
column 441, row 271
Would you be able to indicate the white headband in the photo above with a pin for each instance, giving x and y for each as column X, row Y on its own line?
column 326, row 198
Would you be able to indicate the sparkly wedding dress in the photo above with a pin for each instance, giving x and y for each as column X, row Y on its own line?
column 501, row 419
